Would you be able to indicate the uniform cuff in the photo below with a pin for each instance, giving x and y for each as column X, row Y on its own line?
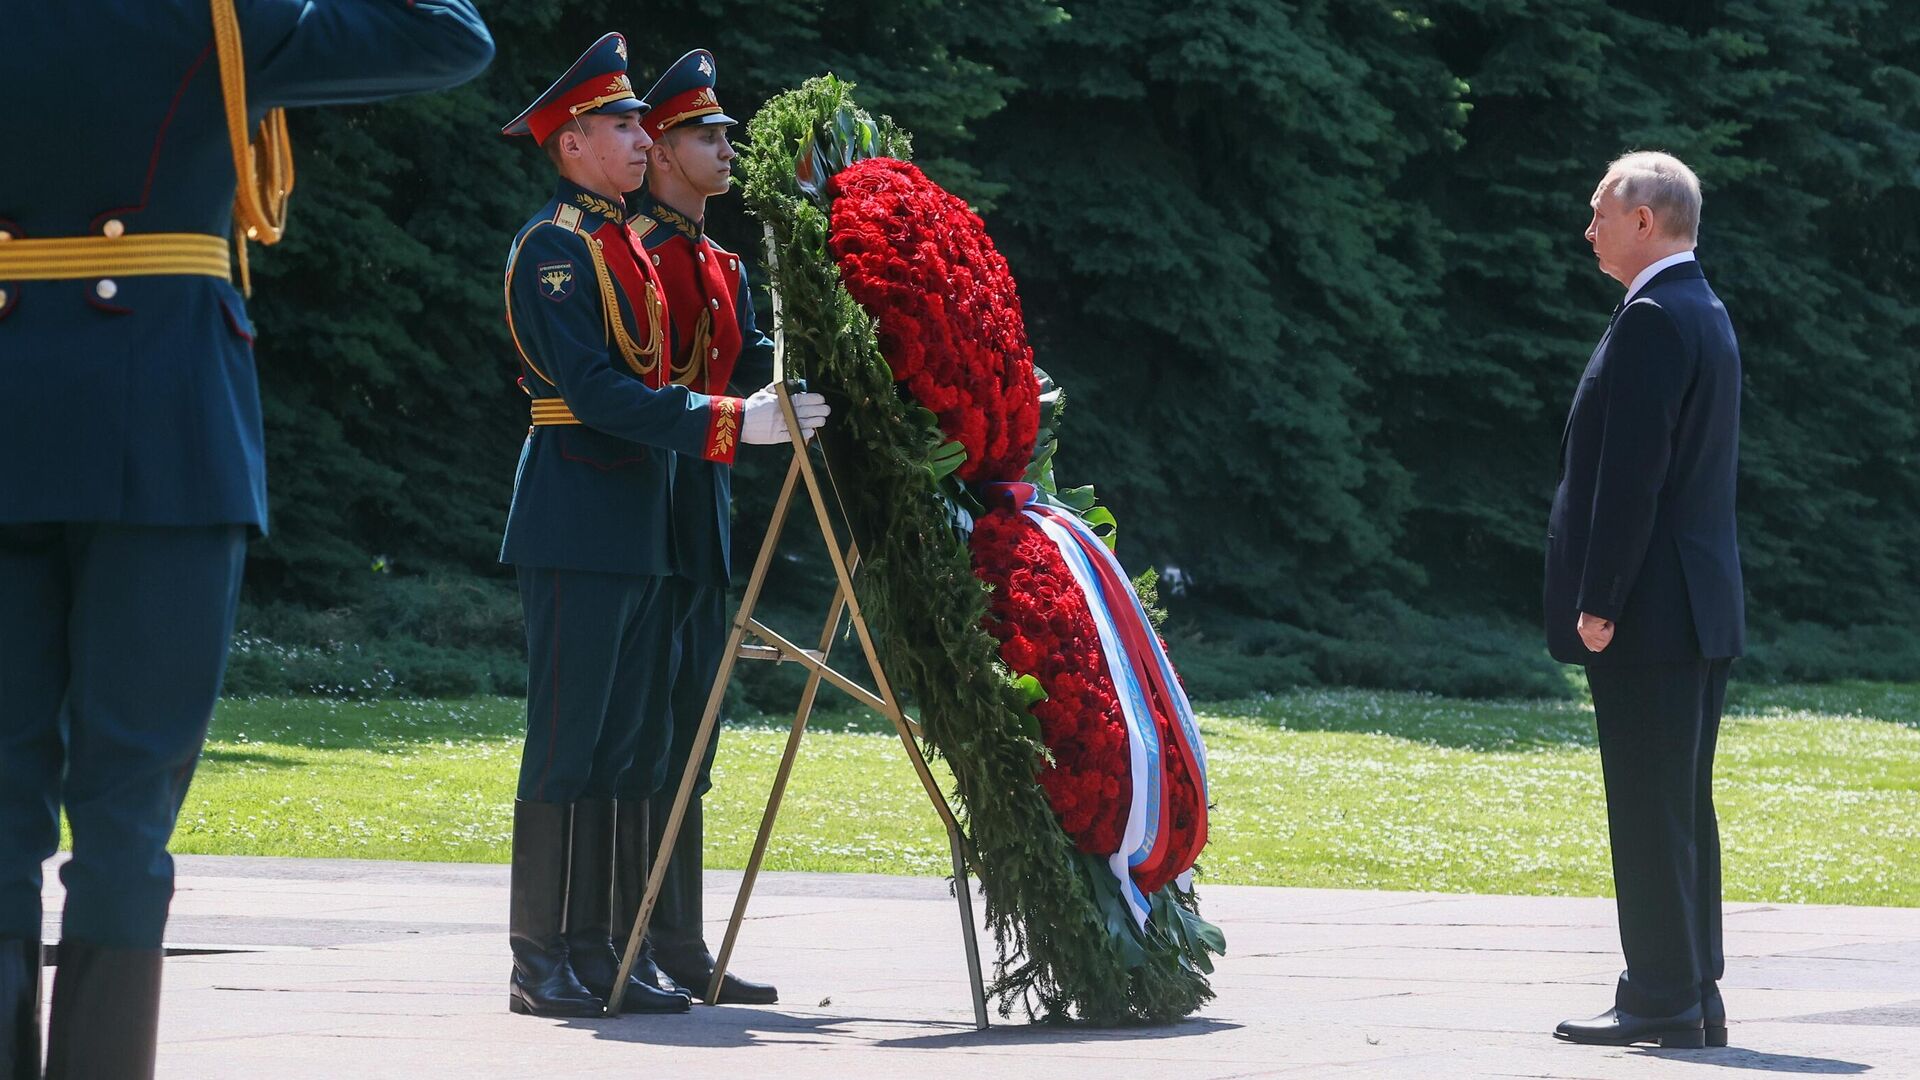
column 723, row 429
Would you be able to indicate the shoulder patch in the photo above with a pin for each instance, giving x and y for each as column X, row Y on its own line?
column 556, row 278
column 568, row 217
column 643, row 224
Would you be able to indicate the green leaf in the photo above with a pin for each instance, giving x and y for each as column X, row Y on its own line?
column 1031, row 692
column 948, row 459
column 1079, row 499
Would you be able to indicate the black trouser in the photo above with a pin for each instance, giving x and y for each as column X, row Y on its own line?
column 598, row 659
column 700, row 619
column 1658, row 724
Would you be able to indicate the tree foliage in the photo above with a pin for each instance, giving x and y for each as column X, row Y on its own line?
column 1313, row 268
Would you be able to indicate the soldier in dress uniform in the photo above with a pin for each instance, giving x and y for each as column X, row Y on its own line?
column 716, row 344
column 135, row 469
column 591, row 534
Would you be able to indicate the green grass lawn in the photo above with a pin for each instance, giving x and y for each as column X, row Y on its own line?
column 1819, row 791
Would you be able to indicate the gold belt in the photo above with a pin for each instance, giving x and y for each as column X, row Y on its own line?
column 69, row 257
column 552, row 412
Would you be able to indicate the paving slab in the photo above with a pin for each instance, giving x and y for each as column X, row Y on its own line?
column 296, row 968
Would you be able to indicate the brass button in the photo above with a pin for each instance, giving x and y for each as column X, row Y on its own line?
column 715, row 302
column 3, row 298
column 113, row 228
column 106, row 289
column 733, row 264
column 656, row 260
column 5, row 235
column 702, row 255
column 713, row 353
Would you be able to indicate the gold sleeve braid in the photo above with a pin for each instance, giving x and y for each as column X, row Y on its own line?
column 262, row 167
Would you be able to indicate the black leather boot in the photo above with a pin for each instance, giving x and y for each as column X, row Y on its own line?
column 680, row 946
column 632, row 846
column 106, row 1013
column 543, row 982
column 590, row 916
column 19, row 1009
column 1713, row 1014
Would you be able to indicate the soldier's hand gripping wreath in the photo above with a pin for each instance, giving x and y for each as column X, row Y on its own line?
column 765, row 423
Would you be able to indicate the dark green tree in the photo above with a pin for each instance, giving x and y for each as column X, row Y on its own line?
column 1312, row 272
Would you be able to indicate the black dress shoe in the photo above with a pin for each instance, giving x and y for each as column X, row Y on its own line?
column 1713, row 1017
column 1681, row 1031
column 692, row 968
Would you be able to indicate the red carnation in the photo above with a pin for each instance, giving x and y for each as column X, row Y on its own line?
column 949, row 320
column 1046, row 630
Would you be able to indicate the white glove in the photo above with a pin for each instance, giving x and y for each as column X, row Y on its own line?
column 764, row 423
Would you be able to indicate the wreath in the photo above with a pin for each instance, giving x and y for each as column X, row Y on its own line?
column 999, row 609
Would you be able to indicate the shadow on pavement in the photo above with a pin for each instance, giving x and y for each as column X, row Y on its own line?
column 1734, row 1057
column 1055, row 1034
column 727, row 1026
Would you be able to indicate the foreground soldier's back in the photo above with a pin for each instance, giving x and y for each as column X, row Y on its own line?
column 135, row 462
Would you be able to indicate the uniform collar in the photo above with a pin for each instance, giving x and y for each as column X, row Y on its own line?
column 596, row 209
column 645, row 205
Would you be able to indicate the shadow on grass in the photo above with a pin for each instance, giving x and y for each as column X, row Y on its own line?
column 837, row 720
column 1475, row 725
column 320, row 723
column 1892, row 703
column 246, row 757
column 1509, row 726
column 1481, row 726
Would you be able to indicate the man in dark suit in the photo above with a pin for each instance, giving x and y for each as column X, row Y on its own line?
column 135, row 466
column 1643, row 588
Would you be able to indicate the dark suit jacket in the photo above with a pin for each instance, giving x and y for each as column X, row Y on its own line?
column 1642, row 527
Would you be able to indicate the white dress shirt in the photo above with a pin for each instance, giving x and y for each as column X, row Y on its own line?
column 1640, row 281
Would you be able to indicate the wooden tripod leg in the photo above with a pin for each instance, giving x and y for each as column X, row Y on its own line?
column 774, row 797
column 843, row 569
column 690, row 777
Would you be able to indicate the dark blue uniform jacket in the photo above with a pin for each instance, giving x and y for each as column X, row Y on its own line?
column 137, row 402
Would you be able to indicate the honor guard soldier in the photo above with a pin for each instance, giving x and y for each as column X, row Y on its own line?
column 590, row 532
column 715, row 344
column 135, row 466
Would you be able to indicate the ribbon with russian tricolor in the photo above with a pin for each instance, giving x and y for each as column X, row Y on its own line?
column 1162, row 733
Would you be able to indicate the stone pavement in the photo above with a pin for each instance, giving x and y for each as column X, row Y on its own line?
column 295, row 968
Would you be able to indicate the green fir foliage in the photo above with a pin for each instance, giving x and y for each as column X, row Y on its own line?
column 1313, row 270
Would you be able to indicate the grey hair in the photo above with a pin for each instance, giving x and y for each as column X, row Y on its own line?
column 1662, row 183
